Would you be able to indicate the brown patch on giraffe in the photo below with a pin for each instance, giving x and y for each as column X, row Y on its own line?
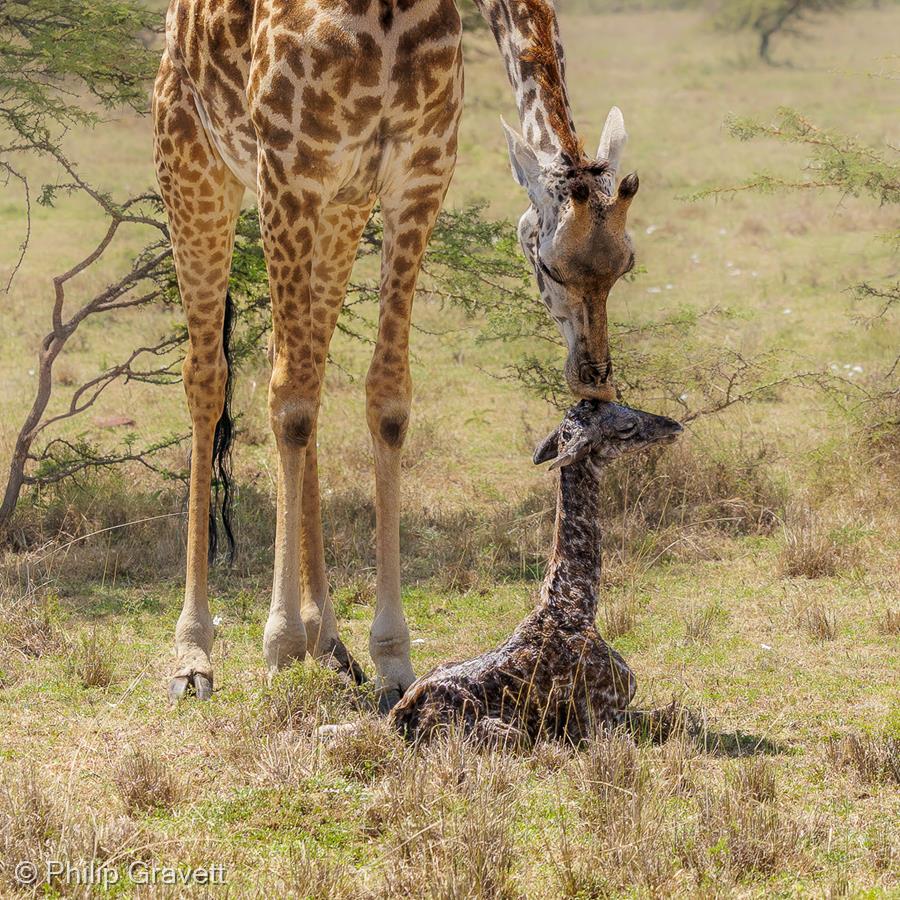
column 393, row 430
column 296, row 429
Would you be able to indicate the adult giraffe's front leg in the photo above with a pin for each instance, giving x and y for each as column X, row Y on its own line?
column 409, row 211
column 289, row 220
column 337, row 240
column 203, row 201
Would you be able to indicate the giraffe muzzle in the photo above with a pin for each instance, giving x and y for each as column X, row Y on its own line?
column 589, row 380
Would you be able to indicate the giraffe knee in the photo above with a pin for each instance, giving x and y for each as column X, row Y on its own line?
column 388, row 420
column 293, row 422
column 392, row 429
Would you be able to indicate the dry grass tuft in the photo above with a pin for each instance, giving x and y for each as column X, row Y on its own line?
column 622, row 808
column 447, row 813
column 37, row 824
column 314, row 878
column 620, row 615
column 29, row 624
column 304, row 696
column 884, row 850
column 699, row 623
column 889, row 623
column 282, row 760
column 91, row 659
column 873, row 759
column 369, row 751
column 819, row 622
column 742, row 836
column 754, row 779
column 145, row 782
column 811, row 550
column 728, row 489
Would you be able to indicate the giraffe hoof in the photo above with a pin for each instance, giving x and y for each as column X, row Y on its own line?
column 339, row 659
column 388, row 699
column 184, row 685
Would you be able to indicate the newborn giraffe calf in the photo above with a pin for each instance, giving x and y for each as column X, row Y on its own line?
column 555, row 676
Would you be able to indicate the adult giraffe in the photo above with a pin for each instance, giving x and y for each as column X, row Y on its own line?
column 321, row 107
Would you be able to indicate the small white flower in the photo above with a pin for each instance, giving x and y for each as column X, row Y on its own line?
column 683, row 397
column 765, row 646
column 217, row 621
column 729, row 264
column 786, row 311
column 695, row 257
column 669, row 287
column 857, row 369
column 651, row 228
column 31, row 371
column 417, row 641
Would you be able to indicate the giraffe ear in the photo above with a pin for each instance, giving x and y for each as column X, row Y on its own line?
column 573, row 451
column 613, row 141
column 525, row 166
column 547, row 448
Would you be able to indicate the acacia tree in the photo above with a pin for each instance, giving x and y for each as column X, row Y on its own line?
column 768, row 18
column 842, row 163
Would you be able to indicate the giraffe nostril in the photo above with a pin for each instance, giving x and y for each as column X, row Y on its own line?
column 592, row 373
column 588, row 372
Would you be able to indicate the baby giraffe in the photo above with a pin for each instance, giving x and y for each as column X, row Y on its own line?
column 555, row 676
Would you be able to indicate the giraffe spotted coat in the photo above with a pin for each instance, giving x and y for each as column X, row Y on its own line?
column 555, row 676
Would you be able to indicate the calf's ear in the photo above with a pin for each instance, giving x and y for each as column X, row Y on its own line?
column 548, row 447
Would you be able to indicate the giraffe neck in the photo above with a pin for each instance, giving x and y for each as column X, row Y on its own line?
column 570, row 586
column 527, row 33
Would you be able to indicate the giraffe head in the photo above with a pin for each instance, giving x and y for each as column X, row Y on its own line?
column 575, row 238
column 603, row 431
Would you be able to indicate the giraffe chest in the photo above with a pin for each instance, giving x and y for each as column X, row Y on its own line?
column 344, row 91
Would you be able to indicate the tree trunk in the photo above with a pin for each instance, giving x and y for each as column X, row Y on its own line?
column 764, row 40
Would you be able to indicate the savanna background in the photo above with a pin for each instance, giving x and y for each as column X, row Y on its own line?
column 752, row 572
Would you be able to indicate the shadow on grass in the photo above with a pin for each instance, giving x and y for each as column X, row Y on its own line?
column 738, row 743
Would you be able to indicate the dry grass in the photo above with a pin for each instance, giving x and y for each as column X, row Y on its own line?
column 874, row 760
column 37, row 823
column 697, row 484
column 145, row 782
column 367, row 752
column 304, row 696
column 699, row 623
column 91, row 659
column 743, row 836
column 813, row 550
column 889, row 623
column 29, row 624
column 447, row 815
column 620, row 615
column 315, row 878
column 755, row 779
column 819, row 622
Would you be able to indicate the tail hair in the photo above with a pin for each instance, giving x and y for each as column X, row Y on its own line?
column 221, row 500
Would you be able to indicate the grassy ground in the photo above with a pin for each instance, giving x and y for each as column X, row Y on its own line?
column 753, row 570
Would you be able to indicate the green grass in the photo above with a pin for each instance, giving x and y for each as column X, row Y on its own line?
column 715, row 623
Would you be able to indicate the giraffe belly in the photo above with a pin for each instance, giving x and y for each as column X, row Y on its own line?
column 239, row 156
column 354, row 85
